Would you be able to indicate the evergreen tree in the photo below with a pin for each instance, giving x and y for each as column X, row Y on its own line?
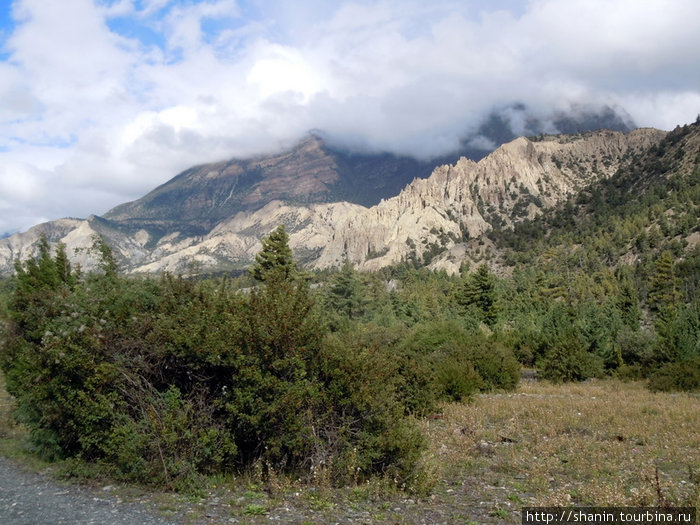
column 63, row 267
column 627, row 300
column 663, row 288
column 480, row 290
column 106, row 261
column 275, row 257
column 344, row 294
column 36, row 283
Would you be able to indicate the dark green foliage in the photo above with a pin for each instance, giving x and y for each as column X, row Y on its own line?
column 452, row 363
column 636, row 347
column 344, row 296
column 495, row 364
column 567, row 360
column 678, row 334
column 663, row 287
column 367, row 430
column 271, row 399
column 563, row 351
column 107, row 262
column 598, row 326
column 163, row 381
column 171, row 442
column 275, row 257
column 627, row 301
column 479, row 291
column 677, row 376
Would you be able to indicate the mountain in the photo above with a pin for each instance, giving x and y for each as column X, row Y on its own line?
column 460, row 202
column 650, row 205
column 339, row 205
column 312, row 172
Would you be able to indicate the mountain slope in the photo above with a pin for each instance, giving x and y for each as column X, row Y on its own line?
column 212, row 217
column 456, row 203
column 651, row 204
column 311, row 172
column 463, row 201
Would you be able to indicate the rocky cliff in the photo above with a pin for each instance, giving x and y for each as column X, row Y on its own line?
column 462, row 201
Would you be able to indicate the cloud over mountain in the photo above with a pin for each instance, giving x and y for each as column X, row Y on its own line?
column 121, row 95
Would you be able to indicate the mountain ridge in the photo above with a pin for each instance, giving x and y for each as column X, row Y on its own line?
column 311, row 172
column 462, row 201
column 430, row 220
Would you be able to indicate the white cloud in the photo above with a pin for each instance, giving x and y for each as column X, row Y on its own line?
column 183, row 24
column 284, row 69
column 100, row 117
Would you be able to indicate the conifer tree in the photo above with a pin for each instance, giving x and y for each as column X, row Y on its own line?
column 344, row 293
column 107, row 262
column 480, row 290
column 627, row 300
column 275, row 257
column 63, row 266
column 36, row 282
column 663, row 288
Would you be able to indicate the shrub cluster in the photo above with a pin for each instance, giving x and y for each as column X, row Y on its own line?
column 164, row 380
column 443, row 361
column 677, row 376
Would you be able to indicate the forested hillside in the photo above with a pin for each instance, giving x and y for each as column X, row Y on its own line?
column 633, row 240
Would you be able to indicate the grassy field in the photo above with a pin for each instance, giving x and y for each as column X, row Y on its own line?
column 594, row 443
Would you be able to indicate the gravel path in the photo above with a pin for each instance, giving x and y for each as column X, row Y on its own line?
column 27, row 498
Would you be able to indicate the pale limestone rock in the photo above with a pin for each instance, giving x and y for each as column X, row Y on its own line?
column 469, row 196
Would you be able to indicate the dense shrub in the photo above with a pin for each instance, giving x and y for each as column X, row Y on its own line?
column 454, row 375
column 677, row 376
column 456, row 363
column 495, row 364
column 566, row 359
column 364, row 421
column 165, row 380
column 636, row 347
column 172, row 442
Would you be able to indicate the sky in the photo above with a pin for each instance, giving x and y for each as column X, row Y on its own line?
column 103, row 100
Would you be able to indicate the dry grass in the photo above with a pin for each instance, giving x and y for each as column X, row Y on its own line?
column 595, row 443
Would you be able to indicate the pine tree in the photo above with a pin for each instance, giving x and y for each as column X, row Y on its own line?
column 663, row 287
column 63, row 266
column 480, row 290
column 344, row 294
column 275, row 257
column 627, row 300
column 107, row 262
column 36, row 283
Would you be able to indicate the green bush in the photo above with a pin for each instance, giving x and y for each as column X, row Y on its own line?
column 454, row 363
column 636, row 347
column 495, row 364
column 630, row 372
column 164, row 380
column 367, row 430
column 455, row 376
column 171, row 442
column 567, row 360
column 680, row 376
